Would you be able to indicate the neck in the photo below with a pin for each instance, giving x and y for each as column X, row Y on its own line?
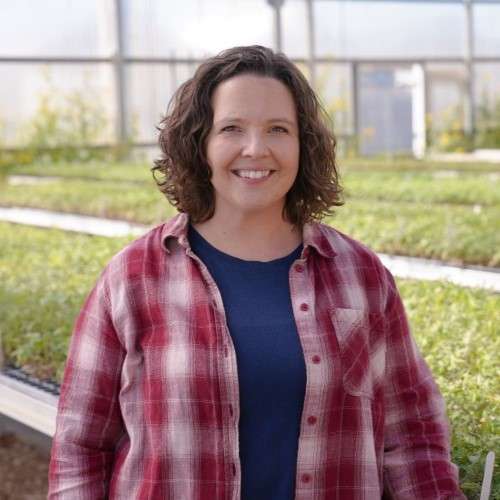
column 251, row 237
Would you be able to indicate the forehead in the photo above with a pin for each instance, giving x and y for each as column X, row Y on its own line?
column 253, row 95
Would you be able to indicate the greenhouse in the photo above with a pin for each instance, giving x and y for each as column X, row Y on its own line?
column 397, row 77
column 410, row 91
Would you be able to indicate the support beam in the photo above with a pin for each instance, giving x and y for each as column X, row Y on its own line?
column 418, row 103
column 276, row 5
column 355, row 107
column 427, row 102
column 311, row 43
column 469, row 101
column 120, row 75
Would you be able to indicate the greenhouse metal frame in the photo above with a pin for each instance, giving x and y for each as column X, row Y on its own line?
column 119, row 61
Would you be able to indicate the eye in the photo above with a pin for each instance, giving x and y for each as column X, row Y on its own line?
column 229, row 128
column 279, row 129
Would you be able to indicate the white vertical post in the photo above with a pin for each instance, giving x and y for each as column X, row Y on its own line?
column 2, row 358
column 119, row 66
column 355, row 106
column 488, row 476
column 418, row 106
column 311, row 42
column 469, row 55
column 276, row 5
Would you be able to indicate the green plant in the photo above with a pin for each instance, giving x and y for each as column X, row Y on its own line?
column 474, row 189
column 434, row 224
column 337, row 109
column 450, row 136
column 399, row 165
column 447, row 133
column 488, row 122
column 10, row 156
column 70, row 126
column 42, row 291
column 128, row 173
column 456, row 330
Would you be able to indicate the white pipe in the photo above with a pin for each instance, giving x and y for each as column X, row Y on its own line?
column 26, row 404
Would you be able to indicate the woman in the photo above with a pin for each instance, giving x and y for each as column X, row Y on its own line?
column 243, row 349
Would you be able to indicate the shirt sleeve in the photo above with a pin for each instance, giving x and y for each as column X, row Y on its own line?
column 88, row 424
column 417, row 462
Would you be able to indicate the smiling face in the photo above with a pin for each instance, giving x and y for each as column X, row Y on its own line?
column 253, row 146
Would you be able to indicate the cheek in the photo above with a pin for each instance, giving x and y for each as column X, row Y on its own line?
column 220, row 153
column 291, row 155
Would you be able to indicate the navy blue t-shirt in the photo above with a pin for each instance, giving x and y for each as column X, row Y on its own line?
column 271, row 367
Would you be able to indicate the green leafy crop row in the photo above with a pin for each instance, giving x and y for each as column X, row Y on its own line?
column 44, row 275
column 120, row 172
column 387, row 164
column 457, row 331
column 425, row 187
column 455, row 233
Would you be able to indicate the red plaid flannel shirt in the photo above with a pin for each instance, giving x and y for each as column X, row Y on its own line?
column 149, row 403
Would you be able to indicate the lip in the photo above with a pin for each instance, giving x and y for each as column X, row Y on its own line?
column 248, row 180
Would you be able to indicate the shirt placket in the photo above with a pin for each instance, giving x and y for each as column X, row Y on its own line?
column 309, row 456
column 228, row 380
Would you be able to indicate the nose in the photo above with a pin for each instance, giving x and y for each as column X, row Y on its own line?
column 255, row 146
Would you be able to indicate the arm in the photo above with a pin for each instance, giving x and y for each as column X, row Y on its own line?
column 88, row 423
column 417, row 462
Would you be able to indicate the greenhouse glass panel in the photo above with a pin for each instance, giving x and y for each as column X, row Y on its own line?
column 150, row 88
column 61, row 28
column 70, row 89
column 487, row 81
column 487, row 30
column 487, row 91
column 447, row 89
column 294, row 28
column 388, row 29
column 333, row 84
column 194, row 28
column 385, row 109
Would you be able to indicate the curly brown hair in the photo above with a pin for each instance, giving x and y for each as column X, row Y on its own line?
column 184, row 129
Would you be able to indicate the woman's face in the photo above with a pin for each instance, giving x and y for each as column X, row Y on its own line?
column 253, row 146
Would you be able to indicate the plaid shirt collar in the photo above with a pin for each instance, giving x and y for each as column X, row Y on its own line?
column 312, row 236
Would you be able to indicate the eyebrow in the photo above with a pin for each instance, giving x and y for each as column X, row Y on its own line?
column 239, row 120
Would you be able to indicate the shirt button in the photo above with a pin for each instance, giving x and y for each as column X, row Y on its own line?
column 316, row 359
column 233, row 467
column 311, row 420
column 299, row 268
column 304, row 307
column 306, row 478
column 226, row 352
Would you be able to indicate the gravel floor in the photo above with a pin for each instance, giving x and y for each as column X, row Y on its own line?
column 23, row 470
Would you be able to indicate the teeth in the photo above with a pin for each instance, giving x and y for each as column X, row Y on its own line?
column 253, row 174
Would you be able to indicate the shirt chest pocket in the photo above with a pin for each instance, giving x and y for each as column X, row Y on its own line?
column 360, row 335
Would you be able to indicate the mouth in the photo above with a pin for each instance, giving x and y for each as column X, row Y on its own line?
column 253, row 174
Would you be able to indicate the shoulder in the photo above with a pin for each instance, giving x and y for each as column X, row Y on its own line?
column 358, row 265
column 347, row 250
column 144, row 257
column 148, row 247
column 136, row 272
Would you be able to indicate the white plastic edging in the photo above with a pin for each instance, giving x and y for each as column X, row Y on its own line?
column 71, row 222
column 400, row 266
column 488, row 476
column 425, row 269
column 30, row 406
